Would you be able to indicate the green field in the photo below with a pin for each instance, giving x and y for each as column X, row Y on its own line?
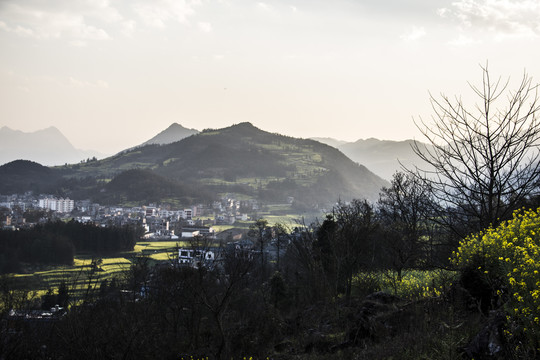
column 79, row 275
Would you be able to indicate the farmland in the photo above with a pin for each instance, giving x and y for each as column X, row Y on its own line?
column 80, row 275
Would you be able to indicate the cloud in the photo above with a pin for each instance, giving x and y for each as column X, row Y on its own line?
column 28, row 19
column 463, row 40
column 205, row 27
column 159, row 13
column 18, row 30
column 414, row 34
column 87, row 84
column 77, row 43
column 443, row 12
column 264, row 6
column 503, row 18
column 128, row 28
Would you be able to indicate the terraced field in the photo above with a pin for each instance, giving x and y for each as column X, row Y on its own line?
column 79, row 276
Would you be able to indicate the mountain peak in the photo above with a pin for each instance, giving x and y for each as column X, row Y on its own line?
column 46, row 146
column 175, row 132
column 245, row 124
column 52, row 131
column 175, row 126
column 8, row 130
column 244, row 129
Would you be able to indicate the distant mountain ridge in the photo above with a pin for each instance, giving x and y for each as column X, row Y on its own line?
column 239, row 159
column 175, row 132
column 47, row 147
column 383, row 157
column 330, row 141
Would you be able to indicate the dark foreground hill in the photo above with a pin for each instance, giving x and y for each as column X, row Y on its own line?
column 238, row 159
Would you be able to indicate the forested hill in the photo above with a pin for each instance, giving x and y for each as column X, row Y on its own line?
column 243, row 159
column 24, row 175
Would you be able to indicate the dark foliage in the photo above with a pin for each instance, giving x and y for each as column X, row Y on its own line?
column 57, row 242
column 36, row 245
column 20, row 176
column 145, row 186
column 233, row 308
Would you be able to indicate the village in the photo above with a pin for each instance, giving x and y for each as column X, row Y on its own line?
column 160, row 223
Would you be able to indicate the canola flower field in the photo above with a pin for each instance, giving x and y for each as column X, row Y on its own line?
column 508, row 258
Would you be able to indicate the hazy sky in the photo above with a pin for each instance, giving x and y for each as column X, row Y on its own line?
column 112, row 74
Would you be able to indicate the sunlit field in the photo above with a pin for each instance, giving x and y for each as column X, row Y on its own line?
column 81, row 274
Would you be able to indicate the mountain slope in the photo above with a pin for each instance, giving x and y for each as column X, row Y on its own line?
column 139, row 185
column 245, row 159
column 173, row 133
column 240, row 159
column 48, row 146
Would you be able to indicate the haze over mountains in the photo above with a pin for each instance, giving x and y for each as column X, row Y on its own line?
column 47, row 147
column 383, row 157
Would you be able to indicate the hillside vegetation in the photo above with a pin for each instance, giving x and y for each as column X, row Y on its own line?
column 241, row 159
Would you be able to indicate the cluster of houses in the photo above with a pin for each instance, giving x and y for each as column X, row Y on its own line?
column 210, row 257
column 160, row 222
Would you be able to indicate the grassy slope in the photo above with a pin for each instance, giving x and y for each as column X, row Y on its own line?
column 242, row 155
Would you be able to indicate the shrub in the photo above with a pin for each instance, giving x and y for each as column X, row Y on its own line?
column 417, row 284
column 414, row 284
column 508, row 259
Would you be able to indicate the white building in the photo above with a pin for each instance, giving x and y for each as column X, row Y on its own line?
column 61, row 205
column 196, row 257
column 187, row 214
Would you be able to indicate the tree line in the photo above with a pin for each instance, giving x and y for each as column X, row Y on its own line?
column 56, row 242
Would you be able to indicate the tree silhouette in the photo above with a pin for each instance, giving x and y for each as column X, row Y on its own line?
column 485, row 160
column 404, row 213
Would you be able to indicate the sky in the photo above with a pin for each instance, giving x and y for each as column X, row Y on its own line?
column 110, row 74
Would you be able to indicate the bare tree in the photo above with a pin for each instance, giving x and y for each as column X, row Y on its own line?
column 404, row 213
column 355, row 246
column 260, row 232
column 282, row 239
column 216, row 289
column 484, row 161
column 302, row 266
